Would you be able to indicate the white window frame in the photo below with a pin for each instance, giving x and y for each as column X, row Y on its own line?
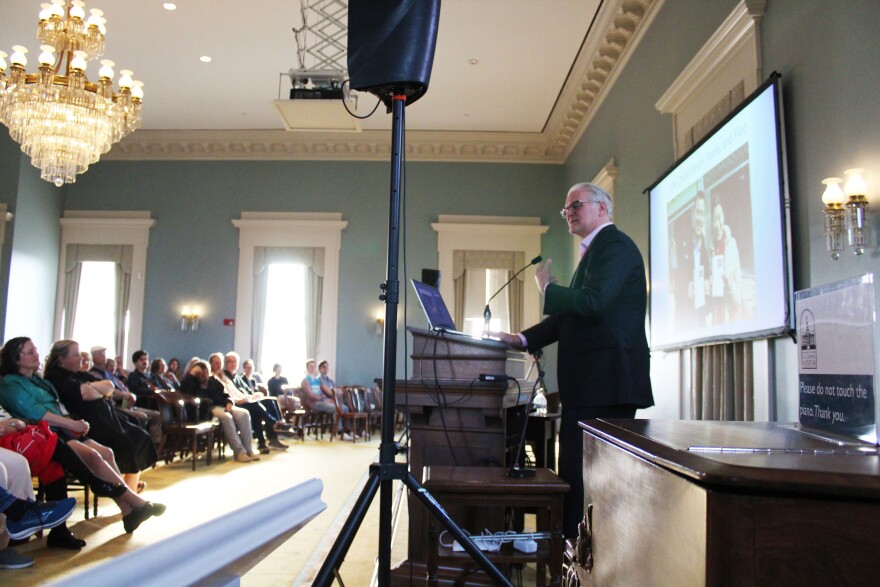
column 108, row 227
column 289, row 229
column 489, row 233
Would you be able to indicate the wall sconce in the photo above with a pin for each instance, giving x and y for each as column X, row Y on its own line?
column 856, row 190
column 380, row 320
column 189, row 319
column 845, row 210
column 833, row 199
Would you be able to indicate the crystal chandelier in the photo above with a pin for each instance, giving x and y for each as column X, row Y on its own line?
column 63, row 121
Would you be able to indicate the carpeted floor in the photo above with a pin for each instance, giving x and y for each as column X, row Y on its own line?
column 196, row 497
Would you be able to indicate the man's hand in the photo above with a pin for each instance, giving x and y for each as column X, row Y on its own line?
column 505, row 337
column 543, row 275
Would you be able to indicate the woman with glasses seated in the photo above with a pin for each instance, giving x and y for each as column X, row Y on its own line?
column 28, row 397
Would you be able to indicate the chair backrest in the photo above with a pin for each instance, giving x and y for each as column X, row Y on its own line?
column 354, row 398
column 170, row 407
column 374, row 399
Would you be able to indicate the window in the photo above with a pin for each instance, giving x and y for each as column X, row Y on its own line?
column 481, row 285
column 96, row 307
column 116, row 237
column 497, row 236
column 284, row 339
column 310, row 239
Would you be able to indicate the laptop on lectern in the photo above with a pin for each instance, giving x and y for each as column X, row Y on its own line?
column 435, row 309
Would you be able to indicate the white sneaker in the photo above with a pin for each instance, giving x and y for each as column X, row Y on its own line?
column 347, row 436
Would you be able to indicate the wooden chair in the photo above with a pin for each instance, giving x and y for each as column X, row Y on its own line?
column 373, row 400
column 296, row 417
column 314, row 421
column 73, row 484
column 348, row 412
column 183, row 435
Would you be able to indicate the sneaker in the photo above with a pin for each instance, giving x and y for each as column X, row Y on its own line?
column 9, row 559
column 277, row 444
column 242, row 458
column 347, row 436
column 41, row 516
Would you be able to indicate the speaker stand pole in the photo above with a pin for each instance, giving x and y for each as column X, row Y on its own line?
column 386, row 471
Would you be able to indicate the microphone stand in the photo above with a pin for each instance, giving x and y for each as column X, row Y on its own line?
column 515, row 470
column 487, row 313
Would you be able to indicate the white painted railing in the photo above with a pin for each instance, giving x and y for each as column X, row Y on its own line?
column 216, row 553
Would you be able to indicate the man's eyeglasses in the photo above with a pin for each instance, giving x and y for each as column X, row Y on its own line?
column 574, row 207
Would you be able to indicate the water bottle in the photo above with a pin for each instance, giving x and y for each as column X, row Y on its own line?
column 539, row 405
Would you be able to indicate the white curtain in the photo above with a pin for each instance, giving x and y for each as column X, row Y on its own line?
column 121, row 255
column 313, row 259
column 510, row 261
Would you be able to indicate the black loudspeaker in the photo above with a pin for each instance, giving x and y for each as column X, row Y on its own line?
column 431, row 277
column 391, row 46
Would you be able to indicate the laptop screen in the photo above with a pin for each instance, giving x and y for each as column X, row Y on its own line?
column 434, row 306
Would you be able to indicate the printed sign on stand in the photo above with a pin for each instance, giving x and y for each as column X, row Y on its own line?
column 836, row 358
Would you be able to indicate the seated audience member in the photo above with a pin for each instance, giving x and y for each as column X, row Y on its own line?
column 174, row 374
column 31, row 398
column 158, row 373
column 276, row 383
column 280, row 389
column 126, row 402
column 121, row 371
column 139, row 381
column 247, row 381
column 263, row 423
column 234, row 421
column 328, row 388
column 314, row 397
column 86, row 363
column 90, row 398
column 20, row 516
column 49, row 456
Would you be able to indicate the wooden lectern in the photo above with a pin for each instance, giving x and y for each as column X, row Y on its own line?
column 448, row 405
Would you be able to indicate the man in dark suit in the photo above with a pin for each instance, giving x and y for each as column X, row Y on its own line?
column 599, row 322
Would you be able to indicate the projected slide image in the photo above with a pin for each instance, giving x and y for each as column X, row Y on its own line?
column 718, row 234
column 711, row 254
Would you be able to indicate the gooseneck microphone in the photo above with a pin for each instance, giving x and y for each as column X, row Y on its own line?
column 487, row 313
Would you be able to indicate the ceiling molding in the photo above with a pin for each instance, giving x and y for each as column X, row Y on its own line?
column 617, row 30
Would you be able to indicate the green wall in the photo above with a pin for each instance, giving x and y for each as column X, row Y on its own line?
column 33, row 240
column 193, row 252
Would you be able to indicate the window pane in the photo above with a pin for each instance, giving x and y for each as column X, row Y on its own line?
column 284, row 325
column 479, row 286
column 95, row 320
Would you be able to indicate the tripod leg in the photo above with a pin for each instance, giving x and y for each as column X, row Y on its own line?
column 340, row 548
column 435, row 508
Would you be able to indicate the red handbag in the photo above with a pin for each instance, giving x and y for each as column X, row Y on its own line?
column 36, row 443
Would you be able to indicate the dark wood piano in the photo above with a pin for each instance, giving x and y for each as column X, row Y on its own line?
column 726, row 503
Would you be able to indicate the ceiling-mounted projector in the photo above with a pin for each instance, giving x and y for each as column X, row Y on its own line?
column 315, row 102
column 316, row 84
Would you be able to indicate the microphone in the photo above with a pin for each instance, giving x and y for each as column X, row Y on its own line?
column 487, row 313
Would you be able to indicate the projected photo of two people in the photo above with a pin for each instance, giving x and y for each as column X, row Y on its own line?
column 711, row 253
